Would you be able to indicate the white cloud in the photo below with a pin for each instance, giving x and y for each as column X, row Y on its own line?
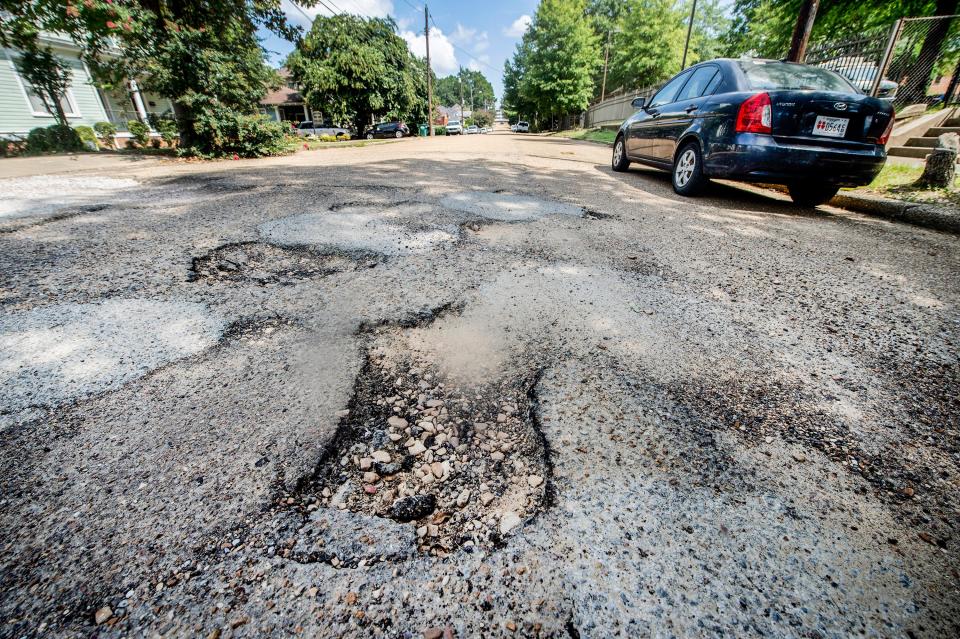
column 368, row 8
column 519, row 27
column 443, row 59
column 470, row 39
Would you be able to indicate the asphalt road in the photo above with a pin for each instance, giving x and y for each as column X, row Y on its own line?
column 478, row 386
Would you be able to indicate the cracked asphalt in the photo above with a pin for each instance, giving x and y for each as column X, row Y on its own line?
column 465, row 387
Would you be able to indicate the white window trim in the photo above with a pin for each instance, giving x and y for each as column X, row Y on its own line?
column 71, row 101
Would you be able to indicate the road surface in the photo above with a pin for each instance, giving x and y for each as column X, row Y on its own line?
column 471, row 386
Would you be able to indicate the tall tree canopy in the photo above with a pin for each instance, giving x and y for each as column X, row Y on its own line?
column 560, row 55
column 475, row 87
column 355, row 68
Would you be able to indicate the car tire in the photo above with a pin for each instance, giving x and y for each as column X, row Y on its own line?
column 369, row 136
column 399, row 134
column 687, row 172
column 806, row 194
column 620, row 162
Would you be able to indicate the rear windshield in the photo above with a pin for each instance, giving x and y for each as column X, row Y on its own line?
column 777, row 75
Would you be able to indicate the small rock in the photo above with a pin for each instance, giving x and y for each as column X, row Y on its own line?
column 397, row 422
column 509, row 521
column 434, row 403
column 370, row 478
column 414, row 507
column 496, row 456
column 800, row 457
column 486, row 498
column 366, row 463
column 381, row 456
column 103, row 615
column 512, row 627
column 433, row 633
column 534, row 480
column 437, row 469
column 370, row 490
column 463, row 498
column 417, row 449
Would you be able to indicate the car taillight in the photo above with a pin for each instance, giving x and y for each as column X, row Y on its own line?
column 755, row 115
column 886, row 132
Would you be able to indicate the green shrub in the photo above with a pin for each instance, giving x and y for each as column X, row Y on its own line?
column 343, row 136
column 219, row 131
column 106, row 131
column 56, row 137
column 439, row 130
column 139, row 131
column 166, row 126
column 328, row 138
column 86, row 134
column 38, row 141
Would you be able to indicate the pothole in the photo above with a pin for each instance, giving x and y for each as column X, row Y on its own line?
column 267, row 264
column 506, row 207
column 418, row 465
column 387, row 231
column 61, row 352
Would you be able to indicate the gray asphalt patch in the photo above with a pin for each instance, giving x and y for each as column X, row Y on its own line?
column 54, row 354
column 508, row 208
column 355, row 229
column 45, row 194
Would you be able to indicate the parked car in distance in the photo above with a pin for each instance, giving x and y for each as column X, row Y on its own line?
column 454, row 127
column 523, row 127
column 759, row 121
column 473, row 129
column 388, row 130
column 320, row 128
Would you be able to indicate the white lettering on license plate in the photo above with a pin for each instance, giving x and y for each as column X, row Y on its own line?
column 830, row 127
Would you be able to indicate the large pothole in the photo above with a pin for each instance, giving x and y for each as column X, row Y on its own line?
column 395, row 230
column 267, row 264
column 418, row 464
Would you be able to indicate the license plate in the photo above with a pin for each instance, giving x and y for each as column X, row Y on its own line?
column 830, row 127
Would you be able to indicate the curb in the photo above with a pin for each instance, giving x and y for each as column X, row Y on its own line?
column 910, row 212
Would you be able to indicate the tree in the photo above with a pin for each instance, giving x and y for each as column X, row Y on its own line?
column 477, row 90
column 447, row 90
column 204, row 56
column 514, row 70
column 355, row 68
column 649, row 45
column 562, row 59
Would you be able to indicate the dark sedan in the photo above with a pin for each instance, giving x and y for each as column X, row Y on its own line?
column 759, row 121
column 388, row 130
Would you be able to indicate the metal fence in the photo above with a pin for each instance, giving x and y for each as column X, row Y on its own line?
column 613, row 111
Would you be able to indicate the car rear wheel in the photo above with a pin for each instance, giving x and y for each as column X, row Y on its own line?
column 620, row 161
column 369, row 136
column 688, row 177
column 806, row 194
column 399, row 134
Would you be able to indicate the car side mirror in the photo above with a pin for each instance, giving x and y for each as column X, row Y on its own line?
column 638, row 103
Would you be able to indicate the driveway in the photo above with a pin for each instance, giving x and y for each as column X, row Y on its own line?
column 471, row 386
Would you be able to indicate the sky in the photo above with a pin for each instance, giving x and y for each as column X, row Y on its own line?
column 481, row 39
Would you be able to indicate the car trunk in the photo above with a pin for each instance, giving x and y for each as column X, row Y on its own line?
column 826, row 118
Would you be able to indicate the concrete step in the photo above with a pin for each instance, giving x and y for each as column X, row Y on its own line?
column 928, row 143
column 952, row 122
column 909, row 151
column 940, row 130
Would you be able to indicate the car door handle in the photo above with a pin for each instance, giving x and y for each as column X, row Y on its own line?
column 691, row 108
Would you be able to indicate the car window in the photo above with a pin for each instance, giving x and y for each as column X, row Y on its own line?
column 698, row 83
column 763, row 74
column 306, row 125
column 670, row 89
column 714, row 83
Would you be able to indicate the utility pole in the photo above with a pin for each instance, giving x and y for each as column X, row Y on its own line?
column 801, row 32
column 426, row 34
column 460, row 77
column 683, row 65
column 606, row 61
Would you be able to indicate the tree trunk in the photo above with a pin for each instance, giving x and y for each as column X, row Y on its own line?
column 184, row 124
column 941, row 168
column 952, row 87
column 918, row 75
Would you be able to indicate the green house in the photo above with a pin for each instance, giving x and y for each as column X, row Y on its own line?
column 21, row 109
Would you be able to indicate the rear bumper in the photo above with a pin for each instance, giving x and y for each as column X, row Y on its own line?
column 760, row 158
